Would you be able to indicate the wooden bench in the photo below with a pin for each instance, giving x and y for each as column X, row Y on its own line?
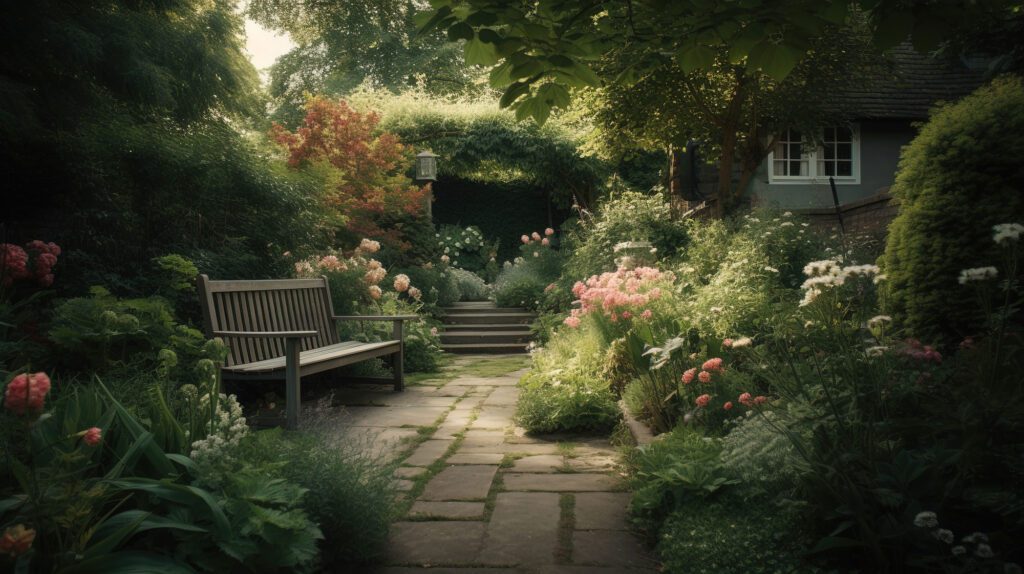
column 286, row 329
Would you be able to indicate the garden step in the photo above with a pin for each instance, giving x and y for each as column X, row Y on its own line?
column 489, row 318
column 514, row 327
column 466, row 337
column 465, row 310
column 479, row 348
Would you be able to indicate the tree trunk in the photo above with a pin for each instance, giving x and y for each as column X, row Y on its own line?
column 724, row 204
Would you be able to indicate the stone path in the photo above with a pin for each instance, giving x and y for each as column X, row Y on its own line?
column 484, row 498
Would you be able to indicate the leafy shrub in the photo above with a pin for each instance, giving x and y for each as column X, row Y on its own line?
column 466, row 248
column 471, row 286
column 518, row 287
column 958, row 178
column 349, row 494
column 523, row 282
column 569, row 406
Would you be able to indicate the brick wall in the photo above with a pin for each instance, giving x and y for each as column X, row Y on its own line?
column 867, row 216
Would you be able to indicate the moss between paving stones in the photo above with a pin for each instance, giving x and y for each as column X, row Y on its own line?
column 566, row 525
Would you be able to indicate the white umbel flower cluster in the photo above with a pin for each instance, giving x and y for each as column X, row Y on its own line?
column 225, row 431
column 977, row 274
column 1007, row 232
column 828, row 273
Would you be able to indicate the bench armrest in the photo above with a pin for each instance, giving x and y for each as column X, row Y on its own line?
column 267, row 334
column 375, row 317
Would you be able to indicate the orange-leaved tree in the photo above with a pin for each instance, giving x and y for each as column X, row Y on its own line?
column 367, row 189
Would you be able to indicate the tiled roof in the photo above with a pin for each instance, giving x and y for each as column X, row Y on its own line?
column 917, row 82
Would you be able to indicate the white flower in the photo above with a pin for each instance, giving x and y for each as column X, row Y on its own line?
column 958, row 550
column 787, row 214
column 984, row 551
column 877, row 351
column 786, row 224
column 943, row 535
column 926, row 519
column 879, row 278
column 1007, row 232
column 977, row 274
column 741, row 342
column 878, row 321
column 770, row 269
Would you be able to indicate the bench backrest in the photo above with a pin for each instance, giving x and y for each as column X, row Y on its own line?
column 267, row 305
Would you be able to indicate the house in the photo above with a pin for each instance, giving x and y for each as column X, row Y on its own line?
column 862, row 156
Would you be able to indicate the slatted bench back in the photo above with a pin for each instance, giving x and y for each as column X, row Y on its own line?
column 267, row 305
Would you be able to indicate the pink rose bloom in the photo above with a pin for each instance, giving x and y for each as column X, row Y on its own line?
column 703, row 400
column 401, row 282
column 727, row 406
column 646, row 314
column 712, row 364
column 525, row 239
column 545, row 241
column 745, row 399
column 375, row 292
column 704, row 377
column 688, row 376
column 26, row 392
column 92, row 436
column 760, row 400
column 549, row 232
column 535, row 236
column 727, row 343
column 572, row 321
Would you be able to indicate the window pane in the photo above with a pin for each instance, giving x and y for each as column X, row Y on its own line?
column 794, row 136
column 845, row 168
column 795, row 150
column 844, row 134
column 830, row 135
column 827, row 167
column 844, row 151
column 780, row 168
column 829, row 151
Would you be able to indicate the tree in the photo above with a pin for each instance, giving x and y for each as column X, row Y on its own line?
column 541, row 50
column 341, row 45
column 367, row 189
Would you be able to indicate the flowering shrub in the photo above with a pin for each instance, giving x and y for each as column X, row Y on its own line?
column 466, row 248
column 522, row 282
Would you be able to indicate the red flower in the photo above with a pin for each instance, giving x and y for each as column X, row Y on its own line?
column 760, row 400
column 746, row 400
column 688, row 376
column 727, row 343
column 704, row 376
column 727, row 406
column 92, row 436
column 25, row 393
column 703, row 400
column 16, row 540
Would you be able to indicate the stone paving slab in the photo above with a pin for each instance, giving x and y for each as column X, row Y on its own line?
column 503, row 396
column 578, row 482
column 523, row 529
column 602, row 510
column 393, row 416
column 475, row 459
column 609, row 548
column 481, row 437
column 503, row 381
column 461, row 482
column 409, row 471
column 494, row 418
column 505, row 448
column 540, row 463
column 427, row 452
column 568, row 569
column 428, row 543
column 448, row 509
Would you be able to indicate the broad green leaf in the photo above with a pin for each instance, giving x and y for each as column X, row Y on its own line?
column 490, row 36
column 694, row 58
column 776, row 60
column 527, row 69
column 129, row 562
column 481, row 18
column 499, row 76
column 554, row 95
column 561, row 61
column 460, row 31
column 426, row 22
column 480, row 53
column 512, row 93
column 586, row 75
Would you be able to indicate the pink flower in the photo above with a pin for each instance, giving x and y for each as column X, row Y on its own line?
column 525, row 239
column 92, row 436
column 703, row 400
column 25, row 393
column 714, row 364
column 646, row 314
column 746, row 400
column 760, row 400
column 704, row 377
column 445, row 259
column 415, row 293
column 967, row 343
column 727, row 406
column 572, row 321
column 626, row 315
column 549, row 288
column 433, row 331
column 545, row 241
column 727, row 343
column 549, row 232
column 303, row 267
column 688, row 376
column 331, row 263
column 368, row 246
column 401, row 282
column 535, row 236
column 375, row 292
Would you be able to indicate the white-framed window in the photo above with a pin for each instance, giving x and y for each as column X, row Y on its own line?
column 797, row 158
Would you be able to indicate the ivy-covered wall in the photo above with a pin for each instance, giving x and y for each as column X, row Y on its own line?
column 502, row 211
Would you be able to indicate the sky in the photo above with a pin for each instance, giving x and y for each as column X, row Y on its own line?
column 264, row 46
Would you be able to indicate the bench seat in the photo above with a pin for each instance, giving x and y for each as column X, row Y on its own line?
column 319, row 359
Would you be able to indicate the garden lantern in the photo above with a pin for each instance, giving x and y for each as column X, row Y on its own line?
column 426, row 166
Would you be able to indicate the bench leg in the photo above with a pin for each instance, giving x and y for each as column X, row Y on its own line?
column 293, row 391
column 398, row 359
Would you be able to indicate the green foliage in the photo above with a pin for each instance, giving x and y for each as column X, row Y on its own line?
column 958, row 174
column 572, row 406
column 518, row 285
column 466, row 248
column 471, row 286
column 348, row 494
